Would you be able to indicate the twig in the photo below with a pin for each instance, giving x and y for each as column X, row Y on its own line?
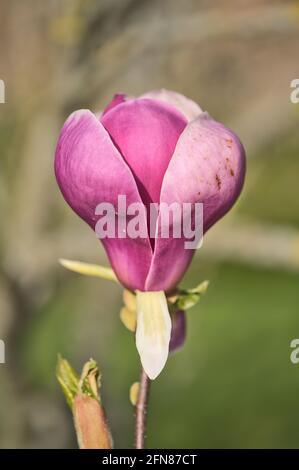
column 141, row 410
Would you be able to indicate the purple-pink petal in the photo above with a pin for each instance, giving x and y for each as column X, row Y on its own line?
column 178, row 330
column 145, row 132
column 116, row 100
column 90, row 170
column 208, row 166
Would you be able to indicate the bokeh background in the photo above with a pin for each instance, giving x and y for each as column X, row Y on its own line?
column 233, row 384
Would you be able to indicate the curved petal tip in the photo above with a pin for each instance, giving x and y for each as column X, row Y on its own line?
column 153, row 331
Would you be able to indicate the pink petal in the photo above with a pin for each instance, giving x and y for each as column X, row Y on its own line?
column 90, row 170
column 116, row 100
column 189, row 108
column 208, row 166
column 146, row 132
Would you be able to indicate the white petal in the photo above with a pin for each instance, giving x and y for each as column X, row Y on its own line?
column 153, row 331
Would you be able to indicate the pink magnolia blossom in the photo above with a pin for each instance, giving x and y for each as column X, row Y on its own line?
column 157, row 148
column 160, row 147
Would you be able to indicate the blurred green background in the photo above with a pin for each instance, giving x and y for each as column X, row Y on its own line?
column 233, row 384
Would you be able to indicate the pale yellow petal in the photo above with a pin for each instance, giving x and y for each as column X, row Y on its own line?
column 134, row 391
column 153, row 331
column 128, row 317
column 129, row 300
column 88, row 269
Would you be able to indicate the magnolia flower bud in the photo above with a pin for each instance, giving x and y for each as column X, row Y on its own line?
column 82, row 395
column 159, row 148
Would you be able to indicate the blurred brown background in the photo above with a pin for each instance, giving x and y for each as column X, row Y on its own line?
column 233, row 385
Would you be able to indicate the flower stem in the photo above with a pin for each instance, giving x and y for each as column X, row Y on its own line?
column 141, row 410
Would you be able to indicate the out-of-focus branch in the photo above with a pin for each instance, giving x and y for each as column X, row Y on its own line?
column 253, row 243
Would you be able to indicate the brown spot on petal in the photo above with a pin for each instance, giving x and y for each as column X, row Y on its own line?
column 218, row 182
column 228, row 167
column 229, row 143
